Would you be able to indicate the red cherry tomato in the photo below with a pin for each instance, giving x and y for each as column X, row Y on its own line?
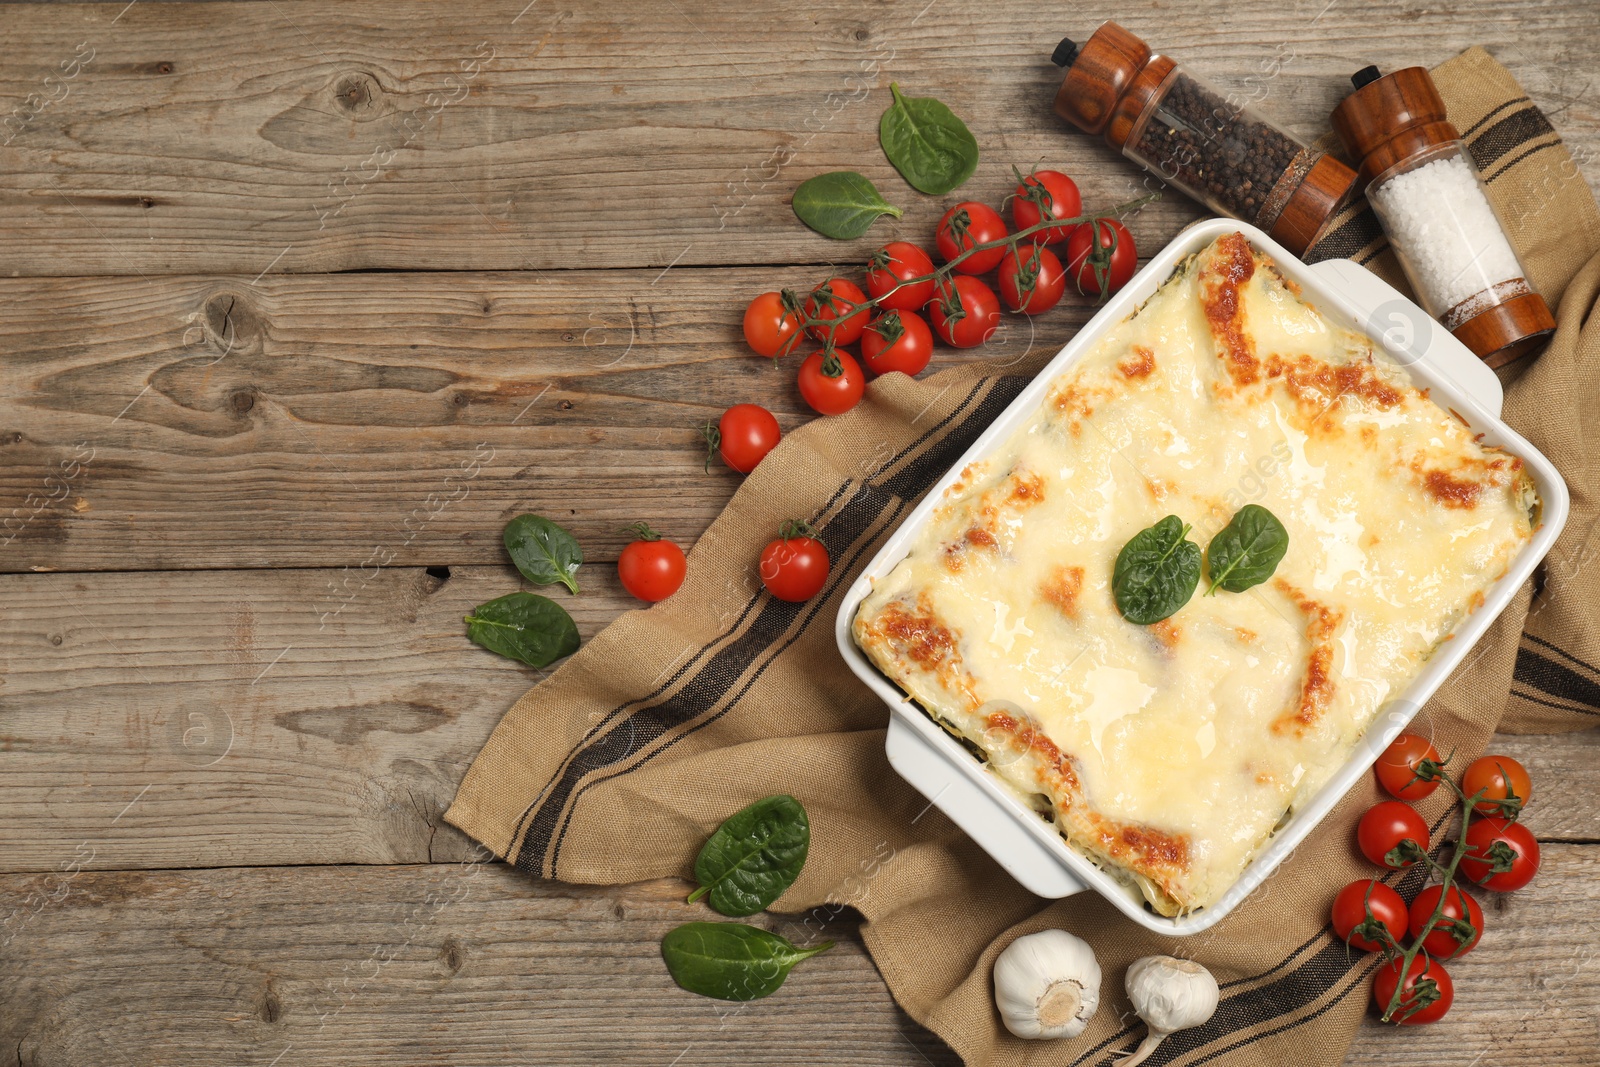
column 1397, row 767
column 1059, row 196
column 964, row 312
column 770, row 328
column 744, row 435
column 795, row 566
column 1500, row 778
column 651, row 568
column 894, row 263
column 1115, row 264
column 1032, row 266
column 1425, row 997
column 1501, row 856
column 1444, row 937
column 1351, row 919
column 832, row 394
column 832, row 301
column 971, row 223
column 1385, row 826
column 898, row 341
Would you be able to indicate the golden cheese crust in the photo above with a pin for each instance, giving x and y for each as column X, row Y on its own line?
column 1168, row 754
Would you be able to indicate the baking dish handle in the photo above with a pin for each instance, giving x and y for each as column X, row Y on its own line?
column 1412, row 333
column 954, row 791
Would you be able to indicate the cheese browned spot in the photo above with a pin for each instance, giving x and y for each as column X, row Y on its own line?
column 1169, row 754
column 1062, row 587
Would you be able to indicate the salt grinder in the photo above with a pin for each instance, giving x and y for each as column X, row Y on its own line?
column 1424, row 188
column 1190, row 135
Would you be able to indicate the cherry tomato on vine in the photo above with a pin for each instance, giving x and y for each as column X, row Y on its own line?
column 1057, row 194
column 832, row 300
column 1425, row 995
column 832, row 385
column 970, row 223
column 964, row 312
column 894, row 263
column 1501, row 778
column 1444, row 939
column 795, row 566
column 898, row 341
column 1385, row 826
column 770, row 328
column 1350, row 919
column 1031, row 279
column 650, row 568
column 1113, row 264
column 1397, row 767
column 1501, row 856
column 743, row 436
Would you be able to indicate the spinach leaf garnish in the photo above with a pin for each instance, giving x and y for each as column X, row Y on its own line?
column 754, row 856
column 1246, row 551
column 544, row 552
column 930, row 147
column 841, row 204
column 731, row 961
column 1156, row 572
column 524, row 626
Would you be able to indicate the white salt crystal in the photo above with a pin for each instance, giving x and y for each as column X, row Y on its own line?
column 1442, row 226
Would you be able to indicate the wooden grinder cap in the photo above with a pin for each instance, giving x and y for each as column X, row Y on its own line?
column 1390, row 118
column 1109, row 81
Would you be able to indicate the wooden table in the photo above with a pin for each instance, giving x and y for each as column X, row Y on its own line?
column 278, row 273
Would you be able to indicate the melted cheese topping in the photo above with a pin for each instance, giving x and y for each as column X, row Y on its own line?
column 1169, row 753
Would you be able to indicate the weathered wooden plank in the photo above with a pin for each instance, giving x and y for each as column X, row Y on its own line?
column 295, row 136
column 177, row 719
column 357, row 418
column 478, row 964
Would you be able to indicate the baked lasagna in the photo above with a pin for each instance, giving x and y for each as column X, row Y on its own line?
column 1168, row 754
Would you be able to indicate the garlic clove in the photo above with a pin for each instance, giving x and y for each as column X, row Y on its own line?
column 1170, row 994
column 1047, row 985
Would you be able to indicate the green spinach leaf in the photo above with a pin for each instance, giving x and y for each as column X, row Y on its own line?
column 928, row 145
column 543, row 551
column 731, row 961
column 841, row 205
column 1246, row 551
column 524, row 626
column 1156, row 572
column 754, row 856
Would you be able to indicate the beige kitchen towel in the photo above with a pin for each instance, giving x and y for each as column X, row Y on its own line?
column 617, row 767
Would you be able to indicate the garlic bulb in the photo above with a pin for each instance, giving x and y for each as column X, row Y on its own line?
column 1047, row 985
column 1169, row 994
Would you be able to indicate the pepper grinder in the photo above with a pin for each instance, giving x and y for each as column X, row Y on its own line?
column 1190, row 135
column 1425, row 190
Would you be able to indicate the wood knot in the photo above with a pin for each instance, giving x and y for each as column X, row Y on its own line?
column 231, row 325
column 163, row 68
column 270, row 1009
column 452, row 954
column 242, row 400
column 357, row 94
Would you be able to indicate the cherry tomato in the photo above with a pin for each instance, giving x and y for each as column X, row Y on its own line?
column 1501, row 855
column 832, row 394
column 1443, row 941
column 744, row 435
column 1384, row 826
column 1501, row 778
column 964, row 312
column 1425, row 997
column 651, row 568
column 831, row 300
column 1059, row 194
column 1397, row 767
column 1038, row 267
column 769, row 327
column 795, row 566
column 1350, row 914
column 971, row 223
column 898, row 341
column 1115, row 265
column 894, row 263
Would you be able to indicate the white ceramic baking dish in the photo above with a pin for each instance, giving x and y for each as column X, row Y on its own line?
column 1026, row 845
